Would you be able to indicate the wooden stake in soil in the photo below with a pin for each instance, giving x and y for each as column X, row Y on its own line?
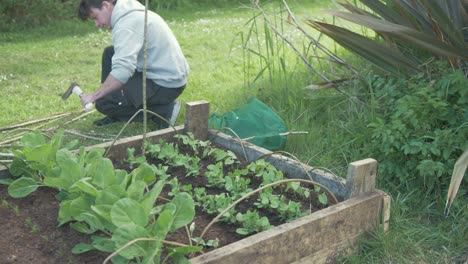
column 196, row 119
column 361, row 177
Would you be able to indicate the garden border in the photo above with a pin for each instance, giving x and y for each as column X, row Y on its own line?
column 320, row 237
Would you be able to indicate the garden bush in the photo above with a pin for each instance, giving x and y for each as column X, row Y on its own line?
column 420, row 127
column 21, row 14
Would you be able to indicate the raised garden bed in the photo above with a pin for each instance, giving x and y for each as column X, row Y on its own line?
column 316, row 238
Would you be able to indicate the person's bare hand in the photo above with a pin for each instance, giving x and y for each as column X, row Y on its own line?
column 86, row 99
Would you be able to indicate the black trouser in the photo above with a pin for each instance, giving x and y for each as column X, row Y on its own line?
column 124, row 103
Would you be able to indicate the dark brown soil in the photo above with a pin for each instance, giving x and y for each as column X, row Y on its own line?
column 30, row 232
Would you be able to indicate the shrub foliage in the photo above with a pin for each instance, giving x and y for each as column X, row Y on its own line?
column 24, row 14
column 420, row 128
column 21, row 14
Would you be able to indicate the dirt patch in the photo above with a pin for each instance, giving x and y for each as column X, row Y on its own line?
column 30, row 232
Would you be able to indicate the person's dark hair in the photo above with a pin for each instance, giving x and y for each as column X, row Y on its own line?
column 85, row 7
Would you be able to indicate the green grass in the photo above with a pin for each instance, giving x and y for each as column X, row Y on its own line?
column 38, row 65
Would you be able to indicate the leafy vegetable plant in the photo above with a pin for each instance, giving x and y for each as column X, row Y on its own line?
column 117, row 207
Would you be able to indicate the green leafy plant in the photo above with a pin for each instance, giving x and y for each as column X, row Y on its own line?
column 266, row 171
column 134, row 160
column 290, row 210
column 216, row 203
column 116, row 206
column 228, row 157
column 267, row 199
column 237, row 185
column 34, row 162
column 252, row 223
column 189, row 140
column 215, row 174
column 420, row 128
column 214, row 243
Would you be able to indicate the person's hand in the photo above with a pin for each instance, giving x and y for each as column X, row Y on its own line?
column 87, row 100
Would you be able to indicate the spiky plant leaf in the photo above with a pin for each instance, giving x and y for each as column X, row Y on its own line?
column 383, row 56
column 403, row 33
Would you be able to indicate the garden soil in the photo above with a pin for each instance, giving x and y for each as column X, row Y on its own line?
column 30, row 233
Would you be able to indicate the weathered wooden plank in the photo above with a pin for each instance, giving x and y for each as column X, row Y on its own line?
column 196, row 119
column 386, row 212
column 333, row 253
column 361, row 177
column 119, row 148
column 291, row 168
column 304, row 237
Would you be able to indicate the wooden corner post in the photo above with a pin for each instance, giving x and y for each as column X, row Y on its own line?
column 196, row 119
column 361, row 177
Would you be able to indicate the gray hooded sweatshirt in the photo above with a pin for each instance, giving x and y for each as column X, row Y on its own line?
column 166, row 64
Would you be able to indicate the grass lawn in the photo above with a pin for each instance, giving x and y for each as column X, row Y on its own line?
column 37, row 65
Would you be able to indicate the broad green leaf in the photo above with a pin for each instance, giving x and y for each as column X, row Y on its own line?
column 55, row 143
column 323, row 199
column 150, row 197
column 85, row 186
column 121, row 178
column 161, row 226
column 103, row 211
column 103, row 244
column 128, row 233
column 72, row 144
column 136, row 190
column 146, row 173
column 58, row 182
column 70, row 169
column 102, row 173
column 81, row 227
column 185, row 250
column 110, row 195
column 63, row 155
column 242, row 231
column 94, row 154
column 22, row 187
column 18, row 167
column 82, row 248
column 39, row 154
column 128, row 211
column 65, row 213
column 119, row 260
column 33, row 139
column 185, row 210
column 92, row 220
column 73, row 208
column 6, row 181
column 180, row 258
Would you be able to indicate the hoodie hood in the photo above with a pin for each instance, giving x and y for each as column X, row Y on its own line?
column 123, row 7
